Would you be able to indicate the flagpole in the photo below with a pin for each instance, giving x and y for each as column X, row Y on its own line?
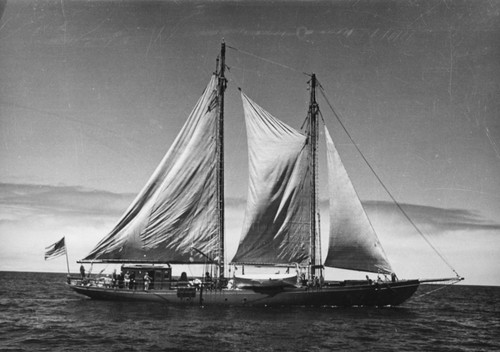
column 66, row 252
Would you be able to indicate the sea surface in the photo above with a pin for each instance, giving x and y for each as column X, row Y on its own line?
column 39, row 313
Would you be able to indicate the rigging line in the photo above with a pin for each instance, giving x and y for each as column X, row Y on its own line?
column 437, row 289
column 267, row 60
column 337, row 116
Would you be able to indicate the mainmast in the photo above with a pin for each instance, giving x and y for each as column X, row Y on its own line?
column 313, row 144
column 221, row 87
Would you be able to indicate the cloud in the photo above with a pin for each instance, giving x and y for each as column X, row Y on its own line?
column 434, row 218
column 61, row 200
column 18, row 200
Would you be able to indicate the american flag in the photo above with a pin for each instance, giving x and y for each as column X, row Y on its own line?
column 55, row 250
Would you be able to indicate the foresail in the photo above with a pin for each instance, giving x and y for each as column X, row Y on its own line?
column 277, row 217
column 353, row 244
column 177, row 209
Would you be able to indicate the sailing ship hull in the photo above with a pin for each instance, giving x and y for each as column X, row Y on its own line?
column 381, row 294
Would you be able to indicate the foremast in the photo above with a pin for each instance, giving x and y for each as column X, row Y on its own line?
column 221, row 87
column 313, row 145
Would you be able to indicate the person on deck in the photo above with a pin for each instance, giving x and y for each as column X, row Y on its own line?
column 394, row 278
column 127, row 280
column 208, row 278
column 316, row 281
column 132, row 284
column 121, row 279
column 147, row 281
column 82, row 271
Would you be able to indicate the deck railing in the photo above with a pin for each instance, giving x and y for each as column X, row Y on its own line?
column 107, row 282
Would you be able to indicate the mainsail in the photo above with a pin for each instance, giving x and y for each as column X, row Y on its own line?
column 277, row 217
column 177, row 209
column 353, row 242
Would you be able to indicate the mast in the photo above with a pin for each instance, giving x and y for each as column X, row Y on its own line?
column 220, row 154
column 313, row 144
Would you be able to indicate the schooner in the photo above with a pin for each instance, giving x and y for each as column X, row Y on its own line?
column 178, row 218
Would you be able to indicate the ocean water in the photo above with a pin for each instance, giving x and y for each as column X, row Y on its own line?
column 39, row 313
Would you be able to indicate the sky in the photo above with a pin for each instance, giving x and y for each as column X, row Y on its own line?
column 93, row 93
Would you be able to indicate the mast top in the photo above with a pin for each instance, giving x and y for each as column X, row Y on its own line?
column 313, row 90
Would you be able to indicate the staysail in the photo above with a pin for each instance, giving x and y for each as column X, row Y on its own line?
column 275, row 230
column 177, row 209
column 354, row 244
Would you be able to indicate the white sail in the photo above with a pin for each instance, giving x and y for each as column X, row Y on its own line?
column 177, row 209
column 277, row 217
column 353, row 242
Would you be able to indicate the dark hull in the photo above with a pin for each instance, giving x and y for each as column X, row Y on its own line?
column 383, row 294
